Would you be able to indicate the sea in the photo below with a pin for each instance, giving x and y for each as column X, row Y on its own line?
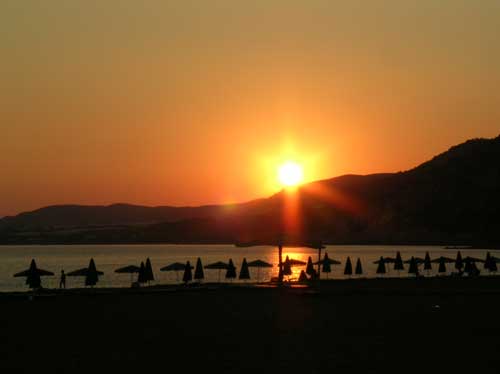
column 108, row 258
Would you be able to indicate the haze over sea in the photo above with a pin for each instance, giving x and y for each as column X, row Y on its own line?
column 110, row 257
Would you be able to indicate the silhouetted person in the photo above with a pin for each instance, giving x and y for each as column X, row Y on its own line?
column 62, row 281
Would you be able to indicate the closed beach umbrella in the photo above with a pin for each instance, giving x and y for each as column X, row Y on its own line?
column 427, row 262
column 468, row 268
column 459, row 264
column 413, row 269
column 398, row 263
column 259, row 264
column 188, row 274
column 198, row 273
column 131, row 269
column 348, row 267
column 149, row 271
column 176, row 266
column 92, row 276
column 287, row 267
column 487, row 262
column 381, row 266
column 359, row 268
column 231, row 270
column 303, row 276
column 33, row 275
column 244, row 272
column 90, row 273
column 310, row 267
column 141, row 278
column 218, row 266
column 442, row 265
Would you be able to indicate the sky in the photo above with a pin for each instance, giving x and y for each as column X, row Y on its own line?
column 198, row 102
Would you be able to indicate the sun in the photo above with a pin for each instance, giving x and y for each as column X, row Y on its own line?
column 290, row 174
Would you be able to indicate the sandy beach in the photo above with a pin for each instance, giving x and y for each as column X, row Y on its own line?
column 374, row 326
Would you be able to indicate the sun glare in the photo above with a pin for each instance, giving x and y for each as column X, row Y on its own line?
column 290, row 174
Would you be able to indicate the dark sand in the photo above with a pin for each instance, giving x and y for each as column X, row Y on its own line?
column 359, row 326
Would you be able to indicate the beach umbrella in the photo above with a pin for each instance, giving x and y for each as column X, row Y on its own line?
column 473, row 259
column 176, row 266
column 459, row 263
column 398, row 263
column 219, row 265
column 149, row 271
column 303, row 276
column 259, row 264
column 442, row 265
column 198, row 273
column 386, row 260
column 131, row 269
column 90, row 273
column 443, row 259
column 244, row 273
column 418, row 260
column 468, row 268
column 310, row 269
column 359, row 268
column 287, row 267
column 188, row 275
column 294, row 262
column 488, row 261
column 33, row 275
column 326, row 265
column 413, row 269
column 141, row 278
column 381, row 266
column 427, row 262
column 231, row 271
column 348, row 267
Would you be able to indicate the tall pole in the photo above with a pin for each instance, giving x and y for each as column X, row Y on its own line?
column 280, row 264
column 319, row 259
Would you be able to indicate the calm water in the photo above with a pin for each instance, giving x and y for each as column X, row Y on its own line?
column 110, row 257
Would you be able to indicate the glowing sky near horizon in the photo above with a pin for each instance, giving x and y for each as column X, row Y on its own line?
column 198, row 102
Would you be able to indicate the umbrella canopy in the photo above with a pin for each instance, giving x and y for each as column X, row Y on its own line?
column 359, row 268
column 427, row 262
column 176, row 266
column 387, row 260
column 446, row 260
column 244, row 272
column 219, row 265
column 198, row 273
column 348, row 267
column 310, row 269
column 398, row 263
column 131, row 269
column 188, row 275
column 327, row 260
column 259, row 264
column 381, row 266
column 231, row 270
column 33, row 275
column 473, row 259
column 418, row 260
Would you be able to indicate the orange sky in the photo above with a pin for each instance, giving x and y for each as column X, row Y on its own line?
column 196, row 102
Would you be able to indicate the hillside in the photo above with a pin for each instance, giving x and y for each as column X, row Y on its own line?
column 451, row 199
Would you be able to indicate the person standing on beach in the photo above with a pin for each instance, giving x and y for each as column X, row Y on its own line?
column 62, row 282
